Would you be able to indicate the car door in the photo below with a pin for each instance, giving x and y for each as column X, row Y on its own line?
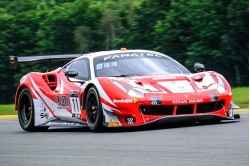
column 70, row 96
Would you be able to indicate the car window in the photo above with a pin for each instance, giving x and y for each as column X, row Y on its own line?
column 82, row 67
column 66, row 67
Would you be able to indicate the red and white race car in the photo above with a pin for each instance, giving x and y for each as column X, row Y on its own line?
column 118, row 89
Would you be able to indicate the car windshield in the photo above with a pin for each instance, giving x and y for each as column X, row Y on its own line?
column 134, row 63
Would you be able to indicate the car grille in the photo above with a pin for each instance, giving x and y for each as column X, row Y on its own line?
column 157, row 110
column 210, row 107
column 181, row 109
column 184, row 109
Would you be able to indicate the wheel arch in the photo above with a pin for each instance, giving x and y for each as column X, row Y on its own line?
column 85, row 94
column 20, row 88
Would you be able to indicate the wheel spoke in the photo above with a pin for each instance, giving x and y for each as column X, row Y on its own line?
column 25, row 109
column 92, row 108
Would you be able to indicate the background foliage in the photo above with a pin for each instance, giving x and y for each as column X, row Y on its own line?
column 213, row 32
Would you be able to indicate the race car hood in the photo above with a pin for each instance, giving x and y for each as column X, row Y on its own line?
column 173, row 84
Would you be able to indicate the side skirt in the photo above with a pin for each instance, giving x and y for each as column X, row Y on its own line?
column 60, row 123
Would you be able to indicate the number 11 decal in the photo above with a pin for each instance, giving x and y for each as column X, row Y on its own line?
column 75, row 103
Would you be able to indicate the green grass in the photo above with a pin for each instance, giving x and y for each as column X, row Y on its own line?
column 7, row 109
column 240, row 98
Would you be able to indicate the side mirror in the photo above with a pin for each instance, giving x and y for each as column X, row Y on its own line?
column 71, row 73
column 198, row 67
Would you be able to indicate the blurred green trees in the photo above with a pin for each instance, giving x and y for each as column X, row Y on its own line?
column 214, row 33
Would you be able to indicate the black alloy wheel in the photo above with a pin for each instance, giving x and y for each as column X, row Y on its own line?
column 94, row 110
column 26, row 112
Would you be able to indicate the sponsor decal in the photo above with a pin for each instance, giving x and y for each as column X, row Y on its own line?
column 63, row 102
column 123, row 101
column 106, row 65
column 64, row 107
column 44, row 114
column 113, row 124
column 195, row 101
column 213, row 96
column 155, row 100
column 99, row 66
column 180, row 102
column 191, row 101
column 74, row 102
column 63, row 124
column 130, row 120
column 137, row 54
column 73, row 93
column 76, row 116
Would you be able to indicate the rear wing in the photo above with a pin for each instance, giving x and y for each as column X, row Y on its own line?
column 14, row 60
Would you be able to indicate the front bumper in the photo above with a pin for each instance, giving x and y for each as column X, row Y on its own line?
column 156, row 107
column 194, row 118
column 174, row 119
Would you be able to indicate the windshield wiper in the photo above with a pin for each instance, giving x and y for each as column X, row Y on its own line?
column 126, row 75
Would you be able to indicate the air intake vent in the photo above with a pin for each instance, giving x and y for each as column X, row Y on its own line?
column 210, row 107
column 184, row 109
column 50, row 80
column 157, row 110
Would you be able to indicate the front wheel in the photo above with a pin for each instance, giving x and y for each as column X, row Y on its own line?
column 230, row 113
column 94, row 110
column 26, row 112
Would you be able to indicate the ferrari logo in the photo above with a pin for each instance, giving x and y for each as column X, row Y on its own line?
column 204, row 87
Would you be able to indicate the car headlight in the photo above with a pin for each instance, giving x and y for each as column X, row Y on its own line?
column 221, row 88
column 130, row 91
column 135, row 93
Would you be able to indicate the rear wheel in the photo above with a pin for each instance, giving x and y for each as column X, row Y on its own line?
column 94, row 110
column 26, row 112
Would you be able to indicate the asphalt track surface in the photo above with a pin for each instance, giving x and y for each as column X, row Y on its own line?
column 226, row 143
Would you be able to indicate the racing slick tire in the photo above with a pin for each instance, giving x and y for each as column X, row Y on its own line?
column 230, row 113
column 26, row 112
column 94, row 111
